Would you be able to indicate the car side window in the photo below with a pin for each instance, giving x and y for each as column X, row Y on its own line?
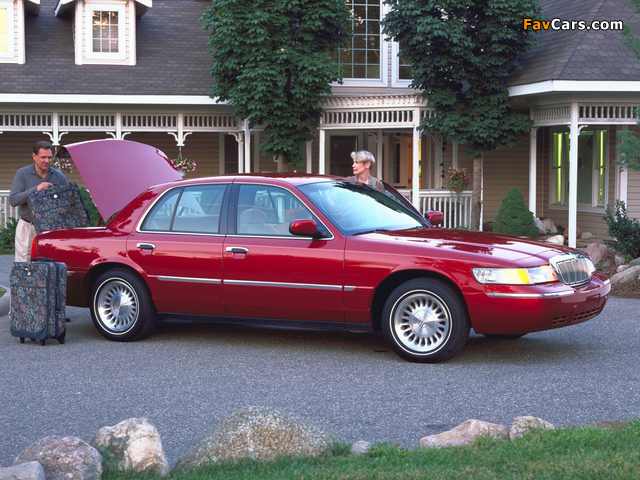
column 192, row 209
column 267, row 210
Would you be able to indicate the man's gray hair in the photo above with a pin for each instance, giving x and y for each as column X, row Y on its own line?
column 363, row 156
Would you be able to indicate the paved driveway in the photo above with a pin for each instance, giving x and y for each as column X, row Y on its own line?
column 188, row 377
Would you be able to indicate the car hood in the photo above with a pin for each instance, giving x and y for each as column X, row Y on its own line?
column 506, row 247
column 117, row 171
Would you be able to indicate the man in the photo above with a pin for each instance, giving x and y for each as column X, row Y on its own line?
column 37, row 176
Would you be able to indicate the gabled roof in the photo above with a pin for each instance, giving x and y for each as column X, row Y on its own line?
column 581, row 55
column 142, row 6
column 172, row 57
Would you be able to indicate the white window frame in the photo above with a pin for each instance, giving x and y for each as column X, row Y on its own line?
column 594, row 206
column 9, row 56
column 396, row 81
column 88, row 23
column 382, row 81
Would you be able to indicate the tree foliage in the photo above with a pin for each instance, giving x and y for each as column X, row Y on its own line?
column 272, row 60
column 461, row 54
column 629, row 146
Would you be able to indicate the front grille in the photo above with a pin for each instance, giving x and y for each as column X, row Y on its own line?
column 572, row 268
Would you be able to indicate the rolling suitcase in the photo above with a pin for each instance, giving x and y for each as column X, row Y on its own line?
column 56, row 207
column 38, row 300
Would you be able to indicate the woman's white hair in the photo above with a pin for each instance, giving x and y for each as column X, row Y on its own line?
column 363, row 156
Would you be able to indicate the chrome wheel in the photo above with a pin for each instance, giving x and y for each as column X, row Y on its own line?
column 425, row 320
column 121, row 306
column 421, row 322
column 117, row 306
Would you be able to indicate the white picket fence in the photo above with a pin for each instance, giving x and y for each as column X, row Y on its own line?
column 457, row 211
column 6, row 210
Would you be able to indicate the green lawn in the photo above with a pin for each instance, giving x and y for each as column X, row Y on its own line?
column 578, row 453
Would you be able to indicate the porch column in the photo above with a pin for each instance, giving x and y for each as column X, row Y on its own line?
column 573, row 175
column 309, row 159
column 533, row 161
column 415, row 175
column 321, row 159
column 379, row 145
column 247, row 147
column 621, row 175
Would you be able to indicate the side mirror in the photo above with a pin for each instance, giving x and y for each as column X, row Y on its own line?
column 305, row 227
column 435, row 217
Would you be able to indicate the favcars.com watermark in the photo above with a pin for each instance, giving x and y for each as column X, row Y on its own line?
column 559, row 24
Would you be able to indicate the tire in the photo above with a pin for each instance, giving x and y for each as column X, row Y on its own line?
column 425, row 321
column 504, row 336
column 121, row 306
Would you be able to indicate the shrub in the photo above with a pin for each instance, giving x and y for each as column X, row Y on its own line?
column 625, row 231
column 94, row 214
column 8, row 233
column 514, row 218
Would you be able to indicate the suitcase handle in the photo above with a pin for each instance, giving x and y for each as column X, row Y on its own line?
column 42, row 259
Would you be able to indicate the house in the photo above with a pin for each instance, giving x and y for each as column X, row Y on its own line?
column 73, row 70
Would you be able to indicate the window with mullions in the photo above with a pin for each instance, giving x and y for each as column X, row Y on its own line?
column 6, row 30
column 106, row 32
column 592, row 168
column 361, row 59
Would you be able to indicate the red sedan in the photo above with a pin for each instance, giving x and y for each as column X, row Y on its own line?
column 303, row 250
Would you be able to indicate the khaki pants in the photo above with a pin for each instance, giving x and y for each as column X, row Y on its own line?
column 25, row 233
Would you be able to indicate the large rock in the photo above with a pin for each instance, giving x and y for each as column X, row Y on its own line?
column 259, row 433
column 63, row 458
column 523, row 425
column 135, row 444
column 556, row 240
column 634, row 262
column 599, row 253
column 24, row 471
column 465, row 434
column 627, row 275
column 549, row 226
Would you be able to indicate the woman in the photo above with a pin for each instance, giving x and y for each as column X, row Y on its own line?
column 363, row 161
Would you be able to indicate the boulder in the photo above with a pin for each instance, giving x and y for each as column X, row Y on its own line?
column 620, row 259
column 24, row 471
column 549, row 226
column 360, row 447
column 259, row 433
column 465, row 434
column 586, row 236
column 627, row 275
column 634, row 262
column 599, row 253
column 578, row 233
column 523, row 425
column 622, row 268
column 135, row 444
column 63, row 458
column 540, row 225
column 556, row 240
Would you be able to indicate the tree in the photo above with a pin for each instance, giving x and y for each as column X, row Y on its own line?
column 461, row 53
column 272, row 60
column 629, row 146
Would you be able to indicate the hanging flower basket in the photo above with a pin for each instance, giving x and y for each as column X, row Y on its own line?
column 63, row 164
column 459, row 180
column 183, row 165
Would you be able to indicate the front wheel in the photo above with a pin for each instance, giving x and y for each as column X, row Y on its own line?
column 425, row 321
column 121, row 306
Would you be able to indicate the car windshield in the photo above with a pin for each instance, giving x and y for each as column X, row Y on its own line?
column 356, row 208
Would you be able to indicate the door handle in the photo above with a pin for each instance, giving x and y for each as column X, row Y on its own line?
column 237, row 250
column 146, row 246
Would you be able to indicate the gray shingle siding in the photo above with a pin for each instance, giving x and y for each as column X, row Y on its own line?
column 172, row 56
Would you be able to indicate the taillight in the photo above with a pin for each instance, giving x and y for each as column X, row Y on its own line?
column 33, row 247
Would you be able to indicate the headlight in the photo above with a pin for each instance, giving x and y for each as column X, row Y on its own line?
column 515, row 276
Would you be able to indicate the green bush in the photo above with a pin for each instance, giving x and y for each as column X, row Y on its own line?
column 94, row 214
column 514, row 218
column 8, row 234
column 625, row 231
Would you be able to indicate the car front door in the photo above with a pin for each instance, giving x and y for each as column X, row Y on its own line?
column 179, row 246
column 271, row 273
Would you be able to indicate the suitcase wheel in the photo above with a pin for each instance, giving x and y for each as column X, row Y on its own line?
column 42, row 342
column 61, row 339
column 21, row 339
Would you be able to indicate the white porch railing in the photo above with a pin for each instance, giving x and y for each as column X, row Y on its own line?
column 6, row 210
column 457, row 213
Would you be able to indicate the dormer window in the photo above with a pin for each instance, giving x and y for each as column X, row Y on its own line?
column 6, row 29
column 104, row 31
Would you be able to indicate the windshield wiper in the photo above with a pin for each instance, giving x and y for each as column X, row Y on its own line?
column 375, row 230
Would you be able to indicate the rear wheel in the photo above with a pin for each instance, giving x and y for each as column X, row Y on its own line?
column 121, row 306
column 425, row 320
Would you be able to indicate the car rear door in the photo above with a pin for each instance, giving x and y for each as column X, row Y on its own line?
column 179, row 246
column 271, row 273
